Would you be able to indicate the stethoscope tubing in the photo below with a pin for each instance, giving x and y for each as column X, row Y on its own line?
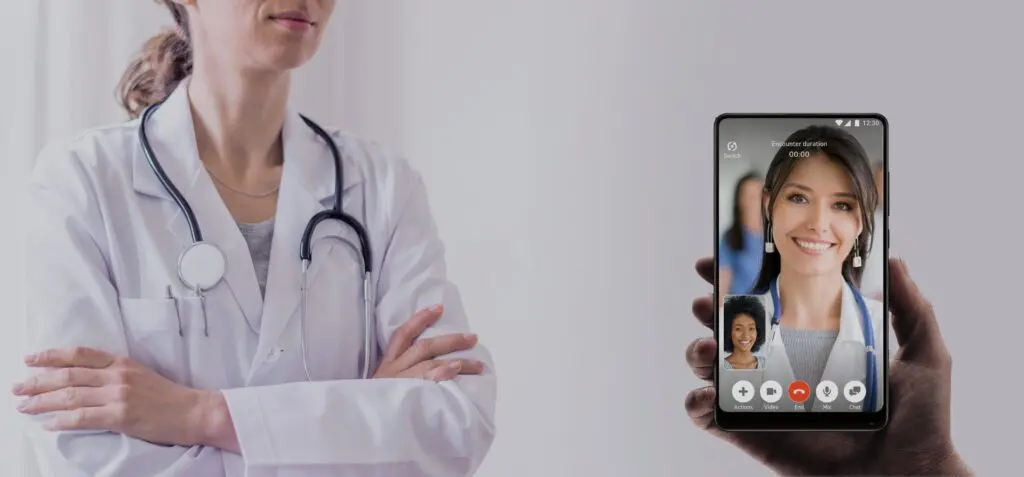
column 869, row 339
column 161, row 175
column 306, row 243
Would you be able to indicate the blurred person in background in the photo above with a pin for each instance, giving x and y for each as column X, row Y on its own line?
column 740, row 249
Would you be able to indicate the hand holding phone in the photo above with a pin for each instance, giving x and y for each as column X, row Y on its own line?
column 917, row 440
column 801, row 242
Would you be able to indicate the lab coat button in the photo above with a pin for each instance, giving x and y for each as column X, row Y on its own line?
column 274, row 354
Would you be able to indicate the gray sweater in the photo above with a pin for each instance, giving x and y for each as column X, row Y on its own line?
column 259, row 237
column 808, row 353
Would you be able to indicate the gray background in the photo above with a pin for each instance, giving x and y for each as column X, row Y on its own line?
column 586, row 127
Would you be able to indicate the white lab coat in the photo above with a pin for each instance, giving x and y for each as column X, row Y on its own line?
column 103, row 243
column 847, row 360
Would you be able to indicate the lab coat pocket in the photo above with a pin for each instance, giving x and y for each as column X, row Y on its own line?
column 154, row 336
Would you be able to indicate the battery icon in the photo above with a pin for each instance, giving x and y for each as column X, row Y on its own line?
column 856, row 123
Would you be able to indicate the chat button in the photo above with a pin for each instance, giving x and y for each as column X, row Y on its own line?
column 854, row 391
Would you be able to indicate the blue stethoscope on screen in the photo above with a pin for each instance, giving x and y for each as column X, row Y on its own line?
column 202, row 265
column 869, row 340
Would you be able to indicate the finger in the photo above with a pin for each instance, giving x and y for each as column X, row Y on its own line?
column 405, row 335
column 913, row 319
column 700, row 355
column 64, row 399
column 430, row 348
column 470, row 366
column 704, row 310
column 700, row 406
column 84, row 419
column 59, row 378
column 706, row 269
column 467, row 367
column 765, row 446
column 420, row 370
column 80, row 356
column 447, row 372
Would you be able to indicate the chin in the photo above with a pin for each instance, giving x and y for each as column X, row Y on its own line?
column 289, row 62
column 287, row 57
column 805, row 265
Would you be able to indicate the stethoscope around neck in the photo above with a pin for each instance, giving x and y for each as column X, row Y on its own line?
column 202, row 265
column 869, row 340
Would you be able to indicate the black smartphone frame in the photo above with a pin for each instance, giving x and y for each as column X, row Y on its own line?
column 809, row 420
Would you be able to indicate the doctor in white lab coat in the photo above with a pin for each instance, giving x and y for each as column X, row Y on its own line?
column 136, row 383
column 819, row 201
column 846, row 362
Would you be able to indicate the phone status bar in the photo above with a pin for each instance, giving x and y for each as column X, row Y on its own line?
column 858, row 122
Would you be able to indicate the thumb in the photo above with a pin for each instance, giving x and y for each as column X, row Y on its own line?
column 913, row 319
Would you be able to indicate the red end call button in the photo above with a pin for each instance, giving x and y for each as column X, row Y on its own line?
column 799, row 391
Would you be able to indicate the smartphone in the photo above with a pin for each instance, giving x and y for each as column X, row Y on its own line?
column 801, row 282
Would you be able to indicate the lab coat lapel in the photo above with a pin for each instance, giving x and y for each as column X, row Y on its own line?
column 777, row 367
column 307, row 187
column 844, row 363
column 172, row 137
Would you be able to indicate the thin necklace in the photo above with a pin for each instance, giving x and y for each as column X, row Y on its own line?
column 237, row 191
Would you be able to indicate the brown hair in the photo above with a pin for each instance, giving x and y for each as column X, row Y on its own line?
column 843, row 149
column 164, row 61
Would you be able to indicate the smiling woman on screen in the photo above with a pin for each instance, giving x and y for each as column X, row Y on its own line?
column 819, row 203
column 745, row 324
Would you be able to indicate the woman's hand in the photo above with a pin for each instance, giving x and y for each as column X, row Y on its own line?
column 89, row 389
column 408, row 358
column 917, row 438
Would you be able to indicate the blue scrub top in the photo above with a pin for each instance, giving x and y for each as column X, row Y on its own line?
column 744, row 264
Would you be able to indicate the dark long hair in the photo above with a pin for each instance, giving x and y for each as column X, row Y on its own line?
column 734, row 235
column 842, row 148
column 749, row 305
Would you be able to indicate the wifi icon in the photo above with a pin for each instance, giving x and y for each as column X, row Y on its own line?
column 839, row 122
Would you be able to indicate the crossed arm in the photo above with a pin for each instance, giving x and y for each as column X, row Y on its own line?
column 96, row 412
column 85, row 389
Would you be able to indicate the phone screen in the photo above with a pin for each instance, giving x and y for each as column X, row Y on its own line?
column 801, row 238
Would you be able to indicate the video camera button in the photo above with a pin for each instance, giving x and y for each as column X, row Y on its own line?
column 771, row 392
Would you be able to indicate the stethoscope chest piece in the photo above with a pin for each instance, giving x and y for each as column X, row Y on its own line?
column 201, row 266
